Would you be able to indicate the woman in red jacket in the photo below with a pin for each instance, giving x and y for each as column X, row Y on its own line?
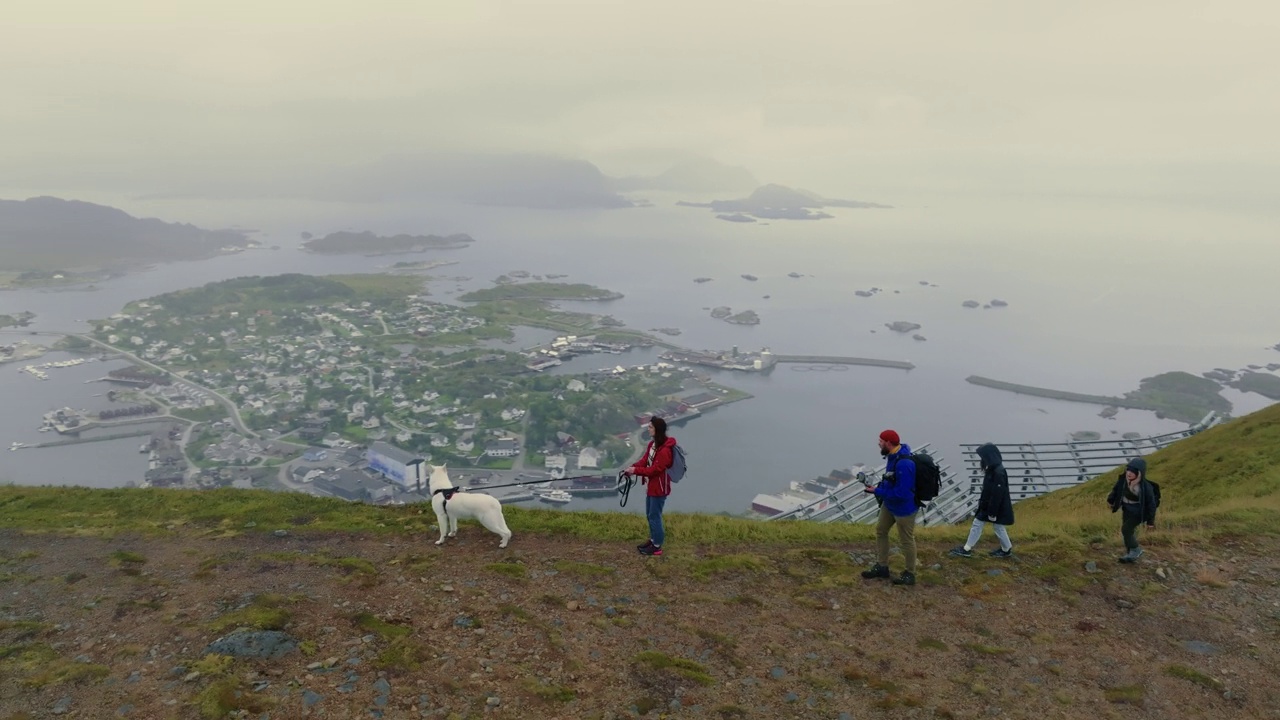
column 652, row 468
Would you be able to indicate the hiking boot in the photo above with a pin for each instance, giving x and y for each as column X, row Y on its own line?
column 1131, row 556
column 877, row 572
column 651, row 550
column 646, row 545
column 960, row 552
column 998, row 553
column 907, row 578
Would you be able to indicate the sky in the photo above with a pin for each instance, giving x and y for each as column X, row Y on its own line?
column 1170, row 99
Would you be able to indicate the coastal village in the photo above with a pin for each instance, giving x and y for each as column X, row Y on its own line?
column 307, row 386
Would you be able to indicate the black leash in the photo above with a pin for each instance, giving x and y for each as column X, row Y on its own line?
column 521, row 484
column 625, row 481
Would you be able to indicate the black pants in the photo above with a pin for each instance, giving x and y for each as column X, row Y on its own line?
column 1132, row 519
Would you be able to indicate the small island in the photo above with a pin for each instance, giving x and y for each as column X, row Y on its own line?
column 902, row 326
column 701, row 280
column 725, row 313
column 752, row 278
column 541, row 291
column 778, row 202
column 999, row 304
column 409, row 266
column 794, row 275
column 971, row 304
column 367, row 243
column 22, row 319
column 1264, row 384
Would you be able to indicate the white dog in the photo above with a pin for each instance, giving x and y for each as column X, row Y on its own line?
column 464, row 506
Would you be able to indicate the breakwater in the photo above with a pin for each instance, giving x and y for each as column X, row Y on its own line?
column 1119, row 402
column 841, row 360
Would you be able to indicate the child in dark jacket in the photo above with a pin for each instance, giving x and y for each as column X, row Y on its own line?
column 995, row 506
column 1135, row 496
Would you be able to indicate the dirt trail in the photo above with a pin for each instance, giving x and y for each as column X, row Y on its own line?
column 564, row 628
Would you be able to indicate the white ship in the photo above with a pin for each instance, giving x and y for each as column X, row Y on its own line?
column 558, row 497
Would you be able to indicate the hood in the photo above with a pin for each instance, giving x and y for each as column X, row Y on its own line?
column 671, row 441
column 990, row 455
column 1137, row 465
column 904, row 451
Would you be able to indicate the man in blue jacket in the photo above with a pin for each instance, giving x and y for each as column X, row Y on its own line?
column 896, row 494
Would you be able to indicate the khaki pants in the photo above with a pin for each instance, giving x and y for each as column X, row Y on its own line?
column 906, row 537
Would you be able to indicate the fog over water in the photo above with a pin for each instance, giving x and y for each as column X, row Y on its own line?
column 1094, row 306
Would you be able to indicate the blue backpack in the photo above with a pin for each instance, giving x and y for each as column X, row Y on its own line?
column 678, row 464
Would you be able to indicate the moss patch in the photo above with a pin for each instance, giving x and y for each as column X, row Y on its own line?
column 684, row 668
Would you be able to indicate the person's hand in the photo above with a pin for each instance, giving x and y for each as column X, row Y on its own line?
column 869, row 489
column 1151, row 526
column 991, row 518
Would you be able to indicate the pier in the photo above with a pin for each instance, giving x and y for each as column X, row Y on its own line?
column 79, row 441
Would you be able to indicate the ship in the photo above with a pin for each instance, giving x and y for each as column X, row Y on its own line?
column 558, row 497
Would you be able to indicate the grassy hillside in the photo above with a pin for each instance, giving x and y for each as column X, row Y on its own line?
column 1224, row 481
column 150, row 603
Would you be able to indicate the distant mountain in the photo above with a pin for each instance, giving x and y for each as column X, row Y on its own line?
column 696, row 175
column 50, row 233
column 505, row 180
column 778, row 202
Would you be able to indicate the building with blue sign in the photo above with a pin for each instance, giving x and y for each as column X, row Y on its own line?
column 395, row 464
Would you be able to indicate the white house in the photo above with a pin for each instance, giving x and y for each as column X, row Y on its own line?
column 512, row 414
column 589, row 459
column 465, row 422
column 465, row 443
column 576, row 385
column 439, row 441
column 503, row 447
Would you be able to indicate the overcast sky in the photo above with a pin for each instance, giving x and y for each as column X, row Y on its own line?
column 848, row 97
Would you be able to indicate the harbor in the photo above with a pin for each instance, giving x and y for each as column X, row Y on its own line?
column 41, row 372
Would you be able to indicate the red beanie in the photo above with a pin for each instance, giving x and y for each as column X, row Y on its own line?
column 890, row 437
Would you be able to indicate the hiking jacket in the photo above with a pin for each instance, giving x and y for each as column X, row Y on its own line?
column 897, row 488
column 1146, row 498
column 655, row 472
column 994, row 505
column 1146, row 494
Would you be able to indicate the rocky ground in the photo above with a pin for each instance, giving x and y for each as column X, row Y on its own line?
column 357, row 627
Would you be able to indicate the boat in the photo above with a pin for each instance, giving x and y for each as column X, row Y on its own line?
column 558, row 497
column 144, row 447
column 17, row 446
